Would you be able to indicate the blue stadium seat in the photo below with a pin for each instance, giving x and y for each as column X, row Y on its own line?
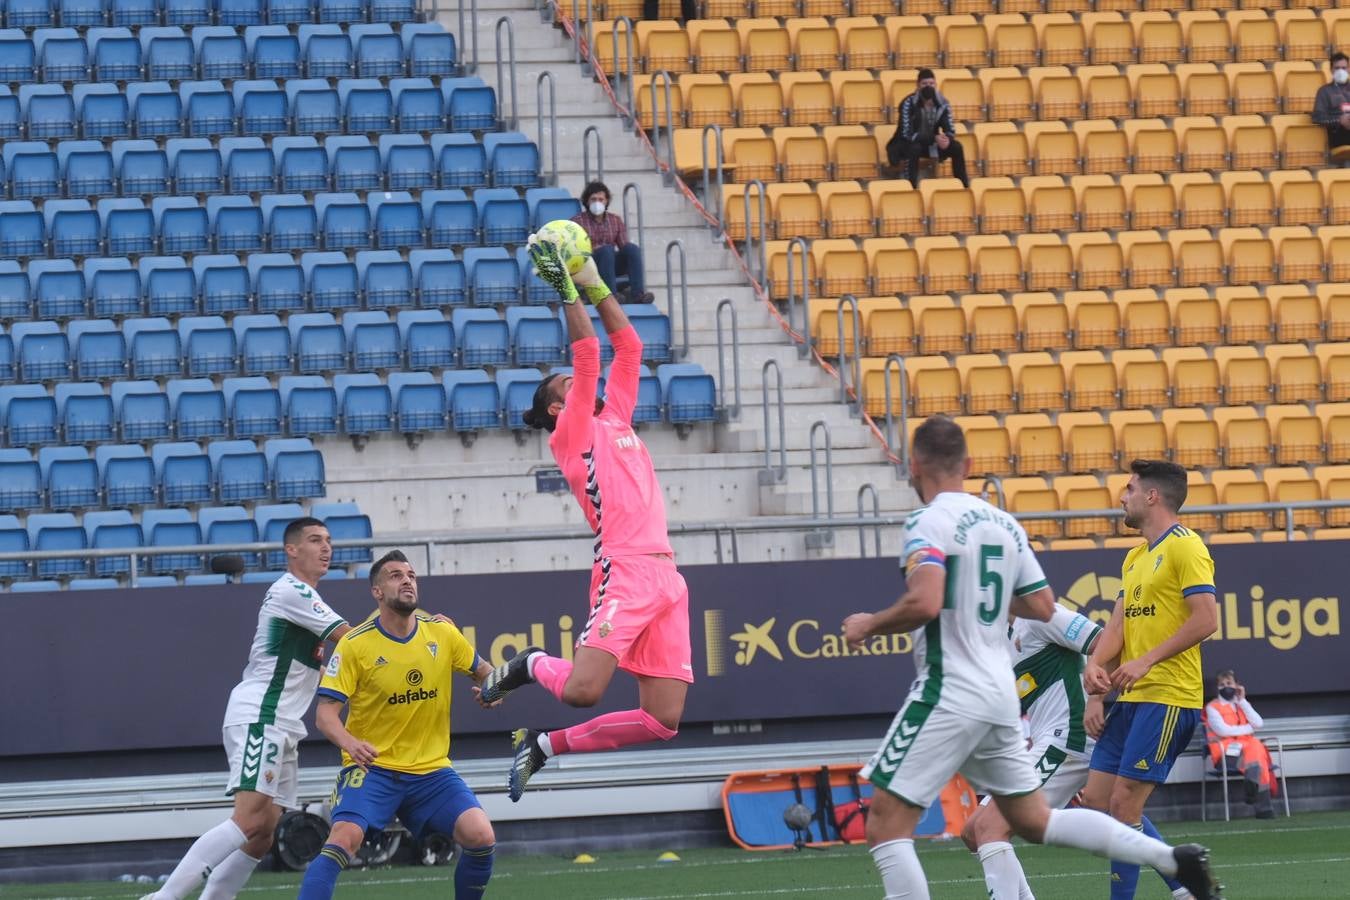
column 367, row 105
column 379, row 52
column 345, row 221
column 484, row 338
column 367, row 406
column 653, row 327
column 441, row 279
column 128, row 226
column 224, row 525
column 474, row 402
column 29, row 13
column 263, row 108
column 114, row 289
column 240, row 12
column 451, row 218
column 278, row 283
column 470, row 105
column 184, row 473
column 272, row 520
column 310, row 404
column 320, row 345
column 315, row 107
column 407, row 161
column 689, row 393
column 461, row 161
column 503, row 215
column 171, row 528
column 393, row 10
column 345, row 523
column 209, row 579
column 170, row 286
column 155, row 348
column 240, row 471
column 48, row 111
column 11, row 117
column 183, row 226
column 116, row 55
column 18, row 58
column 209, row 109
column 126, row 474
column 332, row 281
column 100, row 349
column 62, row 56
column 220, row 52
column 156, row 110
column 649, row 406
column 222, row 283
column 94, row 584
column 28, row 415
column 254, row 407
column 129, row 13
column 338, row 11
column 493, row 275
column 208, row 345
column 20, row 481
column 328, row 52
column 168, row 53
column 290, row 12
column 107, row 530
column 372, row 340
column 57, row 531
column 550, row 203
column 45, row 586
column 303, row 164
column 398, row 220
column 249, row 165
column 428, row 339
column 22, row 232
column 86, row 412
column 31, row 169
column 70, row 477
column 142, row 411
column 264, row 344
column 274, row 50
column 292, row 224
column 236, row 224
column 386, row 279
column 104, row 112
column 6, row 358
column 13, row 539
column 87, row 170
column 199, row 408
column 419, row 106
column 196, row 166
column 296, row 469
column 82, row 13
column 606, row 346
column 187, row 12
column 16, row 300
column 537, row 291
column 517, row 387
column 430, row 49
column 354, row 163
column 419, row 401
column 513, row 160
column 59, row 289
column 44, row 351
column 536, row 337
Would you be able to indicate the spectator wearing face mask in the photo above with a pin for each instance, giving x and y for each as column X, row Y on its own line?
column 1230, row 730
column 926, row 130
column 614, row 254
column 1332, row 105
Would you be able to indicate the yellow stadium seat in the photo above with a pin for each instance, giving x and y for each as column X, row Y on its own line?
column 1299, row 253
column 1139, row 435
column 1085, row 498
column 1012, row 41
column 1336, row 432
column 1029, row 499
column 1195, row 382
column 708, row 100
column 1298, row 85
column 1256, row 37
column 1295, row 488
column 1199, row 258
column 754, row 156
column 766, row 45
column 715, row 45
column 797, row 211
column 1142, row 379
column 1038, row 446
column 1149, row 261
column 1304, row 37
column 777, row 8
column 1000, row 205
column 1048, row 203
column 1058, row 93
column 1250, row 198
column 802, row 153
column 866, row 44
column 997, row 265
column 664, row 46
column 1152, row 203
column 1200, row 493
column 1335, row 370
column 950, row 205
column 1203, row 143
column 1147, row 323
column 1251, row 142
column 1153, row 146
column 1298, row 378
column 1298, row 441
column 1062, row 39
column 829, row 329
column 1099, row 260
column 829, row 8
column 1048, row 263
column 1092, row 381
column 1102, row 203
column 993, row 328
column 964, row 41
column 1336, row 310
column 942, row 330
column 842, row 268
column 1251, row 256
column 991, row 451
column 1246, row 437
column 1040, row 382
column 1237, row 492
column 1159, row 40
column 815, row 44
column 859, row 97
column 1008, row 94
column 852, row 152
column 894, row 265
column 1200, row 200
column 1208, row 38
column 651, row 106
column 810, row 99
column 944, row 263
column 1110, row 38
column 1204, row 89
column 1247, row 320
column 692, row 146
column 1336, row 187
column 759, row 99
column 1195, row 444
column 1104, row 147
column 1253, row 89
column 914, row 41
column 1106, row 92
column 889, row 330
column 848, row 210
column 936, row 391
column 1045, row 325
column 1003, row 149
column 1089, row 446
column 898, row 207
column 1298, row 316
column 989, row 389
column 1156, row 90
column 776, row 253
column 1198, row 322
column 1246, row 380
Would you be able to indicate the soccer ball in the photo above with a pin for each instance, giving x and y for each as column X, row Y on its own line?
column 574, row 245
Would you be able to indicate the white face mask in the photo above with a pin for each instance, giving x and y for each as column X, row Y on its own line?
column 597, row 208
column 1340, row 76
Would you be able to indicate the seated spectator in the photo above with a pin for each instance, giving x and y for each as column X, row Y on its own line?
column 614, row 255
column 1332, row 106
column 1230, row 726
column 926, row 130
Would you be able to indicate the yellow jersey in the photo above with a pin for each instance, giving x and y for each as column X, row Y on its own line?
column 1156, row 579
column 398, row 691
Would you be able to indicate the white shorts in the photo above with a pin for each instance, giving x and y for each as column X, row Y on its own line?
column 266, row 759
column 927, row 745
column 1062, row 774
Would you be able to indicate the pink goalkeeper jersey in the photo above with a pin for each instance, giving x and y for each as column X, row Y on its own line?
column 604, row 461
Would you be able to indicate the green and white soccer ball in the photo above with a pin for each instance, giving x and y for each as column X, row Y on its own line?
column 572, row 241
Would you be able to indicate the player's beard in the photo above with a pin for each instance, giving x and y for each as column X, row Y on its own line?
column 1131, row 520
column 401, row 606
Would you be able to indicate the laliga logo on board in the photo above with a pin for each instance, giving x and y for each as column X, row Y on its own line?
column 801, row 638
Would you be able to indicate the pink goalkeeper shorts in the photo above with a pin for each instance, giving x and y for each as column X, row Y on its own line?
column 640, row 616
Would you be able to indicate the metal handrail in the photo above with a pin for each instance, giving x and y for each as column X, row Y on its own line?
column 899, row 443
column 636, row 190
column 629, row 112
column 817, row 427
column 714, row 206
column 997, row 484
column 684, row 298
column 580, row 59
column 472, row 8
column 510, row 59
column 863, row 491
column 733, row 411
column 769, row 474
column 856, row 403
column 798, row 245
column 761, row 258
column 552, row 120
column 586, row 155
column 668, row 176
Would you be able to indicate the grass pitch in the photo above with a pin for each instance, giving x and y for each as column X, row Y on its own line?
column 1303, row 858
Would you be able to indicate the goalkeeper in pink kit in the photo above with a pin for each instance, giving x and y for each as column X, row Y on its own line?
column 639, row 604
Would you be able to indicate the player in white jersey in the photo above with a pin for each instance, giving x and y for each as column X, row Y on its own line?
column 968, row 566
column 263, row 726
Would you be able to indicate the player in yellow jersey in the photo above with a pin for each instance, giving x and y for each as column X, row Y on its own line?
column 394, row 674
column 1150, row 653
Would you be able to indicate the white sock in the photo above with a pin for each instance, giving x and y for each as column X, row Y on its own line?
column 1024, row 889
column 1002, row 872
column 901, row 875
column 544, row 743
column 1182, row 894
column 529, row 663
column 207, row 852
column 1086, row 829
column 229, row 878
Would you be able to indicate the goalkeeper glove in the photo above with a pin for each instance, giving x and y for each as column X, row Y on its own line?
column 551, row 268
column 588, row 279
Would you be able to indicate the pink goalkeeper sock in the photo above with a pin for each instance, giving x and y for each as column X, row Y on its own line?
column 610, row 732
column 550, row 673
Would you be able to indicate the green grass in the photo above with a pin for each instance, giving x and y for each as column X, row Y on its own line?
column 1300, row 859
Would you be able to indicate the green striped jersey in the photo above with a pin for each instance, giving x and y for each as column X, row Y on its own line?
column 1048, row 662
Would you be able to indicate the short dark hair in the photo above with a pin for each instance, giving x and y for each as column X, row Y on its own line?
column 941, row 442
column 1167, row 478
column 926, row 73
column 297, row 527
column 595, row 187
column 391, row 556
column 1338, row 56
column 1226, row 673
column 537, row 416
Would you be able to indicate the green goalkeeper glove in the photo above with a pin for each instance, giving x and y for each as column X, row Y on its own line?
column 588, row 279
column 552, row 270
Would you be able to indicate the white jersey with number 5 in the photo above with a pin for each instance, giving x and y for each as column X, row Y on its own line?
column 962, row 656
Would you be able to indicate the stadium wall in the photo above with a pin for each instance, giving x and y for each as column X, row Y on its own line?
column 127, row 670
